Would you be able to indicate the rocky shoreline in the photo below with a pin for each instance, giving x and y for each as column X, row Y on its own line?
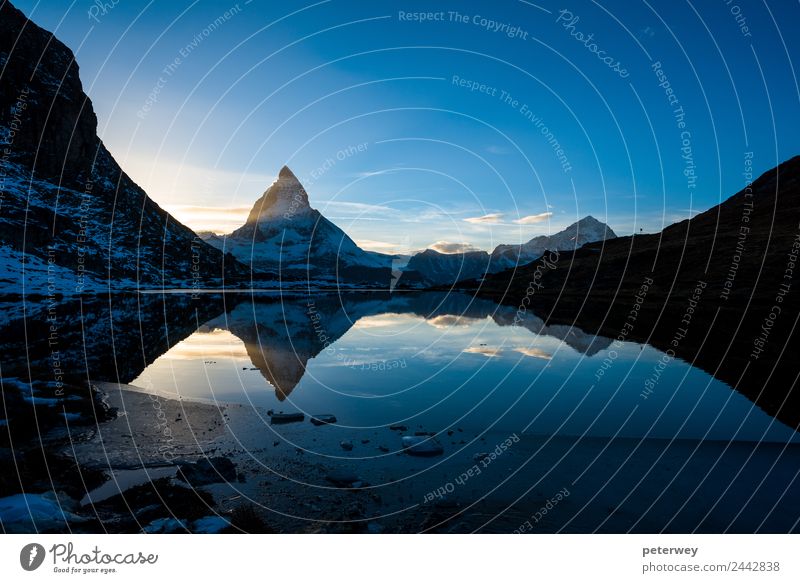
column 167, row 465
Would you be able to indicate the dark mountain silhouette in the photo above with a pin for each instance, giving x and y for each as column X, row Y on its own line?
column 435, row 268
column 732, row 269
column 69, row 212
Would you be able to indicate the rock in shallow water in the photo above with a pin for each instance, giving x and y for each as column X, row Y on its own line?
column 326, row 419
column 277, row 418
column 422, row 446
column 346, row 445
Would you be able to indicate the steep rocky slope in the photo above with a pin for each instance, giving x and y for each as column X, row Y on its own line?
column 71, row 219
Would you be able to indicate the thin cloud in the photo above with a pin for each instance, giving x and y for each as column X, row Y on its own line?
column 449, row 247
column 533, row 219
column 534, row 353
column 381, row 321
column 449, row 321
column 498, row 150
column 209, row 218
column 355, row 207
column 491, row 218
column 350, row 218
column 369, row 173
column 217, row 344
column 381, row 246
column 486, row 351
column 210, row 210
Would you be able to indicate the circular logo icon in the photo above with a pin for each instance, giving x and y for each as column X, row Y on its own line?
column 31, row 556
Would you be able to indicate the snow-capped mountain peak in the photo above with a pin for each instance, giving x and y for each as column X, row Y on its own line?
column 590, row 229
column 285, row 198
column 434, row 268
column 284, row 234
column 586, row 230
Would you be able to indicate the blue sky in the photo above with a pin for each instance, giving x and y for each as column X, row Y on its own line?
column 490, row 126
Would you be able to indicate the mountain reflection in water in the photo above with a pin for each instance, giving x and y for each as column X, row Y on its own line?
column 662, row 443
column 435, row 360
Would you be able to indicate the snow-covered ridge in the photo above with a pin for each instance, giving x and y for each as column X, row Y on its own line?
column 578, row 234
column 435, row 268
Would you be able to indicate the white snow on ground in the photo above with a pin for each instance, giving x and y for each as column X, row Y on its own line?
column 84, row 237
column 205, row 525
column 210, row 525
column 28, row 393
column 28, row 274
column 34, row 512
column 165, row 525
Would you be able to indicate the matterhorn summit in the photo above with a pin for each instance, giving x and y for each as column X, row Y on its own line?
column 285, row 198
column 284, row 235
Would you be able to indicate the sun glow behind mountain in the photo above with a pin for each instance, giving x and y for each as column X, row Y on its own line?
column 425, row 161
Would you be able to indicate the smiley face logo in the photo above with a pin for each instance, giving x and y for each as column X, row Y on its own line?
column 31, row 556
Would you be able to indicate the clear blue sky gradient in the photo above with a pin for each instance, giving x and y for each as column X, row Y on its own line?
column 300, row 84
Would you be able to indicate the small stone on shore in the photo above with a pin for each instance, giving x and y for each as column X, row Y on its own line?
column 420, row 446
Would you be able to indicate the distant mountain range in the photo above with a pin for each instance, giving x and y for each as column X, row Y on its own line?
column 434, row 268
column 578, row 234
column 286, row 238
column 718, row 290
column 71, row 219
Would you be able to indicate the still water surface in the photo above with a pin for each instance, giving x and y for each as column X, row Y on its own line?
column 441, row 361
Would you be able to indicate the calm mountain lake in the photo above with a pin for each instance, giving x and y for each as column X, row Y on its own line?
column 531, row 427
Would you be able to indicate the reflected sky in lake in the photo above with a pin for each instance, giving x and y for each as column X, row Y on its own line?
column 446, row 362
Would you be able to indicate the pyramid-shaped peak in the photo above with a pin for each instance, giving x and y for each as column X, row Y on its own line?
column 287, row 173
column 587, row 222
column 592, row 229
column 589, row 219
column 285, row 198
